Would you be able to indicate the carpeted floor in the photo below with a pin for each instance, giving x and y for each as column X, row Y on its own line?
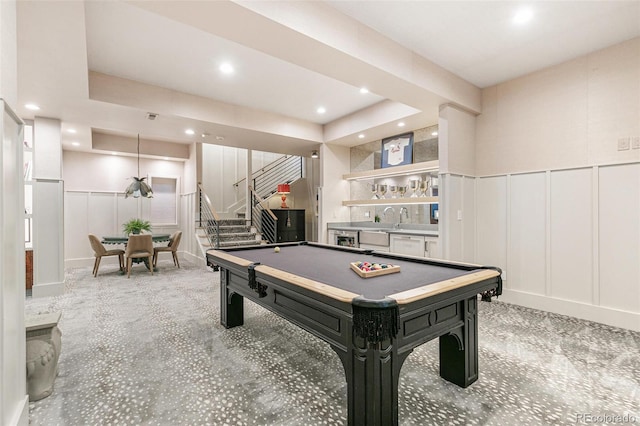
column 150, row 350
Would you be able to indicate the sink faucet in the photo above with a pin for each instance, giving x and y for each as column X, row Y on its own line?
column 406, row 213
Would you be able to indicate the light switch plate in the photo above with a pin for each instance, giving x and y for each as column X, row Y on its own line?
column 623, row 144
column 635, row 142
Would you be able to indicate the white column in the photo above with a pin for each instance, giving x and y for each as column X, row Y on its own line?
column 456, row 150
column 14, row 402
column 48, row 209
column 333, row 190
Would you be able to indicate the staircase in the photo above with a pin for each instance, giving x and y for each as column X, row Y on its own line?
column 233, row 233
column 212, row 231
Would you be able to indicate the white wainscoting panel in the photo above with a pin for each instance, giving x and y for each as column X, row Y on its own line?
column 619, row 214
column 101, row 214
column 491, row 223
column 571, row 235
column 454, row 249
column 527, row 233
column 76, row 229
column 468, row 222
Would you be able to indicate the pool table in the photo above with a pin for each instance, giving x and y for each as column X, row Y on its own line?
column 372, row 323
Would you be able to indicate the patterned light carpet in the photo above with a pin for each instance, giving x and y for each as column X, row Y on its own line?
column 149, row 350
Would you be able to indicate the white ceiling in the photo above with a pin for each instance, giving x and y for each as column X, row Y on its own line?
column 289, row 59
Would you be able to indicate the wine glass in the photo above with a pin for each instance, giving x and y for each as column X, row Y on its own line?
column 374, row 190
column 382, row 189
column 402, row 190
column 393, row 189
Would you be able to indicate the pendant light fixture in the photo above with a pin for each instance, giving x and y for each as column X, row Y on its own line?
column 138, row 187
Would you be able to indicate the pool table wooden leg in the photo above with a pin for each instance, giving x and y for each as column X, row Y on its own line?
column 231, row 303
column 372, row 372
column 459, row 348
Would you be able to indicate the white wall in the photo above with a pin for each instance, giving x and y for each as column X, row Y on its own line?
column 8, row 49
column 570, row 115
column 557, row 203
column 94, row 201
column 222, row 167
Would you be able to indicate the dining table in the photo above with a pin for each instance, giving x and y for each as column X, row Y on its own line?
column 123, row 239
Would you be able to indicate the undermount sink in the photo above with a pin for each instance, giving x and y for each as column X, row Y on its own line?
column 374, row 238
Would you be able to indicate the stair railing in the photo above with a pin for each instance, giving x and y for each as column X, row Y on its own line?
column 285, row 169
column 265, row 223
column 208, row 218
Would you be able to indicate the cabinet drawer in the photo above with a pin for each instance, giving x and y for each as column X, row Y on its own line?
column 411, row 245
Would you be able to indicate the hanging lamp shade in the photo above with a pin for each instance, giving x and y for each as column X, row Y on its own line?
column 138, row 188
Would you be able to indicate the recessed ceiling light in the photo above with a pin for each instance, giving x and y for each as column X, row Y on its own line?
column 190, row 132
column 434, row 133
column 72, row 131
column 364, row 90
column 226, row 68
column 219, row 138
column 401, row 124
column 361, row 136
column 32, row 107
column 114, row 153
column 523, row 16
column 204, row 135
column 75, row 143
column 321, row 110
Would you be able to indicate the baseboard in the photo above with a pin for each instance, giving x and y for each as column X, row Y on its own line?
column 193, row 258
column 87, row 262
column 47, row 289
column 609, row 316
column 21, row 417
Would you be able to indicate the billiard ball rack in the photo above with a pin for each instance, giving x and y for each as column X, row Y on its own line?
column 383, row 269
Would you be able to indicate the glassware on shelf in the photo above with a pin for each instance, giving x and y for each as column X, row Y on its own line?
column 402, row 190
column 374, row 190
column 414, row 184
column 424, row 187
column 382, row 189
column 393, row 189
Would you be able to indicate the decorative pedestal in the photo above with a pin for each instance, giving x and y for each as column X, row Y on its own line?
column 43, row 351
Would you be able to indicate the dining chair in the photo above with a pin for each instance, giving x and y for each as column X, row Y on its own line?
column 174, row 242
column 139, row 247
column 100, row 252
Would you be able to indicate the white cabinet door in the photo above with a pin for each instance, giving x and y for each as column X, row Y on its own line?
column 412, row 245
column 376, row 248
column 431, row 247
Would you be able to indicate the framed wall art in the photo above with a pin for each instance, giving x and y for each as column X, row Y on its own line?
column 397, row 150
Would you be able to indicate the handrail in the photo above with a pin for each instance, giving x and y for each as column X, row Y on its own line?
column 266, row 168
column 265, row 224
column 262, row 200
column 215, row 214
column 209, row 216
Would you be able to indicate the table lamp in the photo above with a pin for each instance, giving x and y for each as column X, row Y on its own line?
column 284, row 189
